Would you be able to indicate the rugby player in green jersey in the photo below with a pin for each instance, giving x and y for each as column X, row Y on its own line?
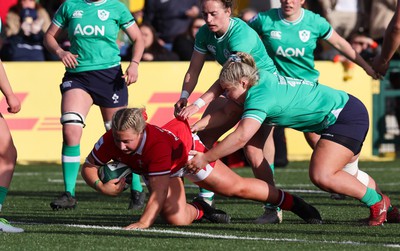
column 290, row 35
column 93, row 76
column 340, row 118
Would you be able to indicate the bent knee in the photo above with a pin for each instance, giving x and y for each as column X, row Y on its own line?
column 323, row 181
column 9, row 158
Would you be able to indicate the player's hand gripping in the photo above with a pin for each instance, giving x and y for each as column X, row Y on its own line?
column 195, row 164
column 113, row 187
column 179, row 106
column 188, row 112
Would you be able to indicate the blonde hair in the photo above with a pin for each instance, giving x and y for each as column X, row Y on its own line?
column 129, row 118
column 239, row 65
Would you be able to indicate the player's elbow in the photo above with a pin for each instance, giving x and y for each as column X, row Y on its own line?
column 241, row 141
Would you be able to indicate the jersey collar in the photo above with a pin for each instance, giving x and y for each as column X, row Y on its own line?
column 231, row 23
column 95, row 3
column 298, row 20
column 140, row 149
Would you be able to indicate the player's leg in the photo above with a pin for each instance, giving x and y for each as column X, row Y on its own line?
column 312, row 140
column 222, row 180
column 393, row 215
column 334, row 166
column 327, row 172
column 210, row 136
column 75, row 105
column 8, row 158
column 175, row 209
column 260, row 151
column 138, row 196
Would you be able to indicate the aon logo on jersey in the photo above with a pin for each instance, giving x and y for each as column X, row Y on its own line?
column 90, row 30
column 290, row 52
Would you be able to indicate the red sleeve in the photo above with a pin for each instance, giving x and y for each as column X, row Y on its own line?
column 104, row 148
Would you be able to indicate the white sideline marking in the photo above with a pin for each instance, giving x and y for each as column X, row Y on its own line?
column 226, row 237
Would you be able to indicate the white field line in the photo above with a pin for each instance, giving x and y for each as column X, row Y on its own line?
column 224, row 237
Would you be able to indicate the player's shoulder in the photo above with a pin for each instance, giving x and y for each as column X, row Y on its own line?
column 310, row 15
column 239, row 28
column 155, row 134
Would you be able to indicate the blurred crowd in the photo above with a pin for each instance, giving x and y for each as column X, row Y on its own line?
column 169, row 27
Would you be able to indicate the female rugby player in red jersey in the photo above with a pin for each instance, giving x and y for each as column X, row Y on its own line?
column 160, row 156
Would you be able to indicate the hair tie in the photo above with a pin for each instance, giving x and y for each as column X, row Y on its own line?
column 235, row 58
column 144, row 114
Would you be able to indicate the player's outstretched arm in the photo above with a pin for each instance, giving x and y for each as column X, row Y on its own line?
column 158, row 186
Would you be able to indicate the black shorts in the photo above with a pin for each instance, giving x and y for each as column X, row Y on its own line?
column 106, row 87
column 351, row 127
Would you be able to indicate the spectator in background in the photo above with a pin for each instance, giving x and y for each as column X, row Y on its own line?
column 153, row 50
column 4, row 7
column 170, row 17
column 26, row 23
column 184, row 43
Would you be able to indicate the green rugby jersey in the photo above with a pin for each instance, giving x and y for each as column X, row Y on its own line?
column 238, row 37
column 291, row 45
column 92, row 30
column 295, row 103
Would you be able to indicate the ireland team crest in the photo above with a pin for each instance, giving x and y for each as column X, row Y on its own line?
column 103, row 14
column 304, row 35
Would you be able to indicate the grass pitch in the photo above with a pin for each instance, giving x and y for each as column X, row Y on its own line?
column 97, row 221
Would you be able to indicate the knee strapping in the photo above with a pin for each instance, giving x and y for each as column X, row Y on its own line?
column 351, row 168
column 73, row 118
column 363, row 177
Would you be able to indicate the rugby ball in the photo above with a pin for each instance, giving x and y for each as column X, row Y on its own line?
column 115, row 170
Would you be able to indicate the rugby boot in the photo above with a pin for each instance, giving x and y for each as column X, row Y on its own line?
column 378, row 212
column 6, row 227
column 137, row 200
column 337, row 196
column 209, row 201
column 64, row 201
column 305, row 211
column 271, row 215
column 211, row 214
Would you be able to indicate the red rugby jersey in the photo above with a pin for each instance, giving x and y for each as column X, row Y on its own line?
column 163, row 150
